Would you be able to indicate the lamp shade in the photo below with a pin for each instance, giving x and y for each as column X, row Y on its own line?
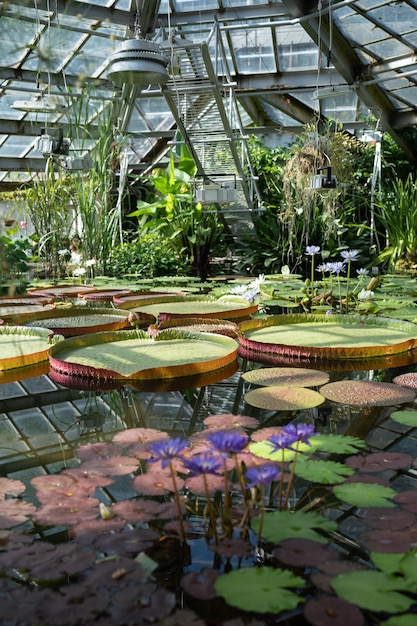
column 138, row 62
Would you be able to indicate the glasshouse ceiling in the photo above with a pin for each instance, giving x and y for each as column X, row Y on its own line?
column 236, row 67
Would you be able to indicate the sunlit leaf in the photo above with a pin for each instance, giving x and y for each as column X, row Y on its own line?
column 365, row 494
column 262, row 589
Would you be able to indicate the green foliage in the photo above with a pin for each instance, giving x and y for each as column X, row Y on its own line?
column 295, row 215
column 49, row 202
column 149, row 256
column 191, row 230
column 396, row 220
column 14, row 257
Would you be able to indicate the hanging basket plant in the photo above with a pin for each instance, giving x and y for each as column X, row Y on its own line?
column 331, row 337
column 134, row 355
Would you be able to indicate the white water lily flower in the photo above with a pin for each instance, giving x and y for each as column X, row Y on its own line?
column 365, row 294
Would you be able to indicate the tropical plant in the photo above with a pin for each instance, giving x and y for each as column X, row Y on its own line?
column 396, row 224
column 193, row 231
column 51, row 210
column 295, row 213
column 95, row 188
column 15, row 255
column 148, row 256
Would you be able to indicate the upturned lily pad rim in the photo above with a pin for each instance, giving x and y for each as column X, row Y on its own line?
column 161, row 372
column 27, row 357
column 327, row 352
column 68, row 330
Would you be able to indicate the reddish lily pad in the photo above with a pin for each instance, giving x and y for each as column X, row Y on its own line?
column 366, row 393
column 283, row 398
column 135, row 355
column 21, row 346
column 80, row 320
column 406, row 380
column 19, row 313
column 62, row 291
column 102, row 295
column 286, row 377
column 327, row 336
column 331, row 611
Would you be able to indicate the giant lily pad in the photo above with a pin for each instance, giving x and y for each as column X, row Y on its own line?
column 333, row 337
column 20, row 346
column 80, row 320
column 203, row 324
column 135, row 355
column 367, row 393
column 286, row 377
column 165, row 307
column 17, row 313
column 283, row 398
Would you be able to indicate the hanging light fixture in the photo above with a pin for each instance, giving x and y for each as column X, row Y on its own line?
column 138, row 61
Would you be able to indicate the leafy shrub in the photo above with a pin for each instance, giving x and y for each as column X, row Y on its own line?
column 149, row 256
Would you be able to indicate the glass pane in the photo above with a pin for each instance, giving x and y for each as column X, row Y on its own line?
column 254, row 51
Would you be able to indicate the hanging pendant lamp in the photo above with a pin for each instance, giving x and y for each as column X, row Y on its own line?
column 138, row 62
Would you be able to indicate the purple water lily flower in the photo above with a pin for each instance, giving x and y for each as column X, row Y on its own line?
column 312, row 250
column 204, row 463
column 166, row 450
column 362, row 271
column 336, row 267
column 292, row 434
column 262, row 475
column 350, row 255
column 228, row 442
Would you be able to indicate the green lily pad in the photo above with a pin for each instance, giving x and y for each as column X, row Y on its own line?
column 407, row 417
column 374, row 591
column 333, row 444
column 135, row 355
column 408, row 566
column 326, row 336
column 322, row 471
column 261, row 589
column 279, row 525
column 386, row 562
column 283, row 398
column 400, row 620
column 365, row 494
column 286, row 377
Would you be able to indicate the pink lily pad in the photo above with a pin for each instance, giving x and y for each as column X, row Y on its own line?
column 366, row 393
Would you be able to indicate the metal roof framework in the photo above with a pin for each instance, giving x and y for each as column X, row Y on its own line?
column 289, row 62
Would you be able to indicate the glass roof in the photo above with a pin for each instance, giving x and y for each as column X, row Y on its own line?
column 279, row 64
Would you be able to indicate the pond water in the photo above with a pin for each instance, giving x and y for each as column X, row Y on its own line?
column 42, row 425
